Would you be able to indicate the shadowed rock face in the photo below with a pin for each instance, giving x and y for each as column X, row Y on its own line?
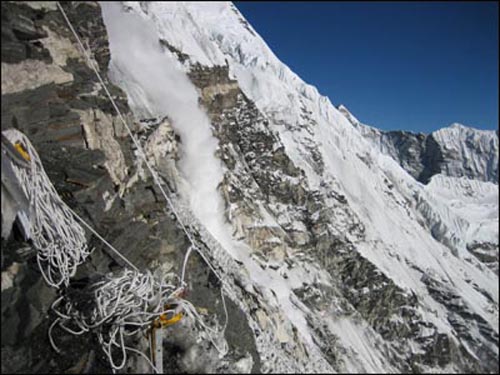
column 418, row 154
column 432, row 160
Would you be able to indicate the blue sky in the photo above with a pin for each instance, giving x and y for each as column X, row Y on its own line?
column 416, row 66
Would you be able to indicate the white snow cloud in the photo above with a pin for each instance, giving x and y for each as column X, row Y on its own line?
column 153, row 81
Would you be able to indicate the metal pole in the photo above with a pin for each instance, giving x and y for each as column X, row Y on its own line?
column 158, row 337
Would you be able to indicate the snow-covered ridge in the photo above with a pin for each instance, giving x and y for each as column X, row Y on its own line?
column 332, row 256
column 469, row 152
column 210, row 33
column 456, row 150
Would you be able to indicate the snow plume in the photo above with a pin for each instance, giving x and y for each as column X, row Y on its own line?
column 157, row 87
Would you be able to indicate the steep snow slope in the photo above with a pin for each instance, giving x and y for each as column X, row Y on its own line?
column 475, row 203
column 410, row 245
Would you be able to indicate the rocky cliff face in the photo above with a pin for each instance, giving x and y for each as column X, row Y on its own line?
column 51, row 94
column 333, row 257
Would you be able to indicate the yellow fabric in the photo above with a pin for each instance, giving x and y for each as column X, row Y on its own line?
column 19, row 147
column 167, row 322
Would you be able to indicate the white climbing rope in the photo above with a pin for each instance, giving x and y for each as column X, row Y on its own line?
column 111, row 247
column 138, row 146
column 184, row 263
column 60, row 241
column 125, row 305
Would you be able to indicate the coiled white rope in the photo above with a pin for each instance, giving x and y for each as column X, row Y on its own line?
column 132, row 299
column 125, row 305
column 60, row 241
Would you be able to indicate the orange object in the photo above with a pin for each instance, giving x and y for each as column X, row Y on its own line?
column 165, row 322
column 19, row 147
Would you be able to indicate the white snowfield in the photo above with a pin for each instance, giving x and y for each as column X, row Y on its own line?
column 462, row 142
column 398, row 212
column 475, row 202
